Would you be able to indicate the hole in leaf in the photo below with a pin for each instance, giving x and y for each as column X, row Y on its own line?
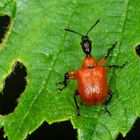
column 133, row 134
column 14, row 85
column 56, row 131
column 2, row 134
column 4, row 24
column 138, row 50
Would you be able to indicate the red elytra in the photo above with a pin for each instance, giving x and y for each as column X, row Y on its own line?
column 92, row 83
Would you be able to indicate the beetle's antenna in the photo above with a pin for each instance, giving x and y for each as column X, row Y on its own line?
column 92, row 26
column 73, row 32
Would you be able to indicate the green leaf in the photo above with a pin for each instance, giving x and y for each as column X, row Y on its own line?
column 37, row 39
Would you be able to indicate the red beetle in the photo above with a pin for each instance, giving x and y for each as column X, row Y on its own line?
column 92, row 83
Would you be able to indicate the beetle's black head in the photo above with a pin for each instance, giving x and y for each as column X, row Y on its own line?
column 86, row 45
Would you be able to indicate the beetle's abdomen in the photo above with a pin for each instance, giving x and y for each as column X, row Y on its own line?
column 92, row 85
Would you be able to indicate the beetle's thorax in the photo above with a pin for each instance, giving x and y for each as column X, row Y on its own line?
column 89, row 62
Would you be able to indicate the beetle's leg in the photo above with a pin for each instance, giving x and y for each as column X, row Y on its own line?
column 109, row 96
column 68, row 75
column 77, row 107
column 115, row 66
column 107, row 101
column 105, row 57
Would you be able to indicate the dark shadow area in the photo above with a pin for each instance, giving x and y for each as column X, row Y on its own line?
column 14, row 85
column 4, row 24
column 138, row 50
column 56, row 131
column 133, row 134
column 2, row 135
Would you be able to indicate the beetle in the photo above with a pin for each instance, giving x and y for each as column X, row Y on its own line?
column 93, row 87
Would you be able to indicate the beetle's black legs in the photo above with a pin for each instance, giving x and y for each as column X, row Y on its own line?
column 107, row 101
column 110, row 49
column 77, row 107
column 72, row 76
column 105, row 57
column 66, row 77
column 109, row 97
column 115, row 66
